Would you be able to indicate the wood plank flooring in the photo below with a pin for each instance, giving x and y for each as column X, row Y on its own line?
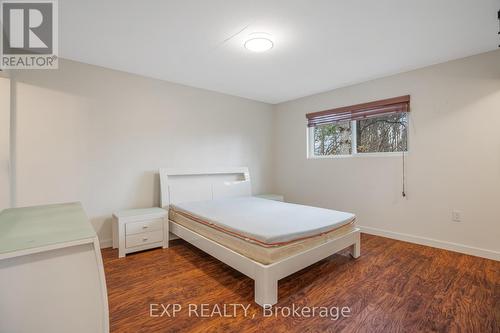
column 393, row 287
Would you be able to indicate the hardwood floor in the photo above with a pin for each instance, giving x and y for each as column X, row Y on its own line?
column 393, row 287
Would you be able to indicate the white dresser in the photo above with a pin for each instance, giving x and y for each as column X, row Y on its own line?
column 139, row 229
column 51, row 273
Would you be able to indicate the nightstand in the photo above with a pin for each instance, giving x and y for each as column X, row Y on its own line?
column 275, row 197
column 139, row 229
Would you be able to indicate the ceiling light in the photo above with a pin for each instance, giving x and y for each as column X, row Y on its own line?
column 259, row 42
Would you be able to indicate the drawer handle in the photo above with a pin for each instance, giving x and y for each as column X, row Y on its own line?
column 144, row 239
column 144, row 227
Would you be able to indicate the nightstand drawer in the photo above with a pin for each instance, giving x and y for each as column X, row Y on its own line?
column 144, row 238
column 143, row 226
column 139, row 229
column 275, row 197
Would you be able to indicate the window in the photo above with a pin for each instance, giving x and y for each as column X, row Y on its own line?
column 375, row 127
column 382, row 134
column 333, row 139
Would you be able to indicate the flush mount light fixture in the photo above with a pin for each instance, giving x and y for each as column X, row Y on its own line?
column 259, row 42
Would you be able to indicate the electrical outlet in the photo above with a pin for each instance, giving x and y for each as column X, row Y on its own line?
column 456, row 216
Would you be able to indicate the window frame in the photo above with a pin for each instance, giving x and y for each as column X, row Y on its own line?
column 354, row 149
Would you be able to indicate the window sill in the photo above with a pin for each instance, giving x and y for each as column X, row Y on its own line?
column 358, row 155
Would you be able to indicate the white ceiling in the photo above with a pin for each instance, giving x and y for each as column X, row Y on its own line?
column 319, row 44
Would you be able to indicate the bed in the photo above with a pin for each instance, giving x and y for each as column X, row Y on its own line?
column 264, row 239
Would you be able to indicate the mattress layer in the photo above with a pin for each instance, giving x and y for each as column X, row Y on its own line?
column 266, row 222
column 254, row 251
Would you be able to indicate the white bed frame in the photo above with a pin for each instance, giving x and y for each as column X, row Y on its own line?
column 192, row 185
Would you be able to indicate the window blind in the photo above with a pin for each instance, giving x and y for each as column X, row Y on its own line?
column 360, row 111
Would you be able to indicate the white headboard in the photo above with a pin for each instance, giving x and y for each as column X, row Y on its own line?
column 200, row 184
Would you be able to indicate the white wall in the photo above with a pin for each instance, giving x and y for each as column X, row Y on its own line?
column 453, row 163
column 98, row 136
column 4, row 141
column 89, row 134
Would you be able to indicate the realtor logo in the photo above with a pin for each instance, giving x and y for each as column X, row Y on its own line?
column 29, row 34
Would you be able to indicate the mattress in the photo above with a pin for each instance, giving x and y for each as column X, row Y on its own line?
column 263, row 221
column 243, row 225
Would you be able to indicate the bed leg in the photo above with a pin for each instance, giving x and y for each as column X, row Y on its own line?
column 356, row 247
column 166, row 233
column 266, row 291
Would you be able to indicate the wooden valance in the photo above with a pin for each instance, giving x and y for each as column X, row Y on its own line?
column 360, row 111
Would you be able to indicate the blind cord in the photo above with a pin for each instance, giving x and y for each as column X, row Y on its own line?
column 403, row 193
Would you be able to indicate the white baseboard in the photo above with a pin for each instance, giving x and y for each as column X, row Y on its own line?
column 474, row 251
column 104, row 243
